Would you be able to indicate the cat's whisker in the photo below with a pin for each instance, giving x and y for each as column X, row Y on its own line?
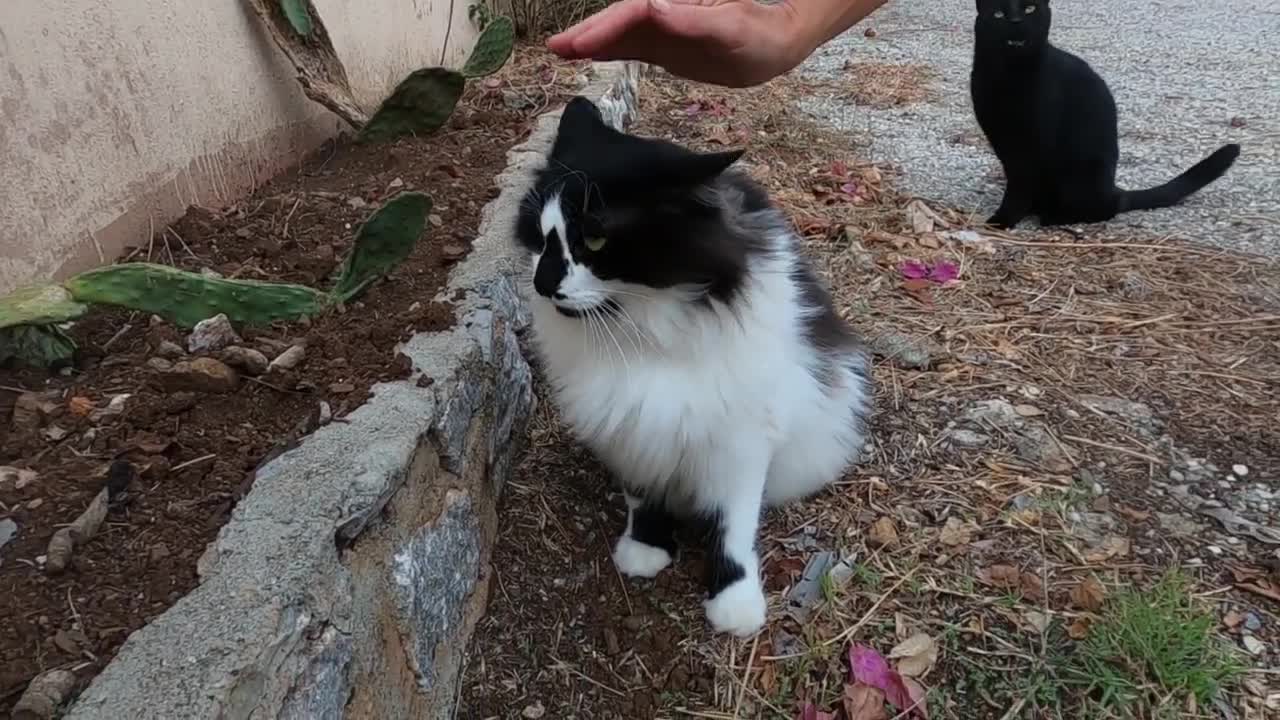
column 604, row 323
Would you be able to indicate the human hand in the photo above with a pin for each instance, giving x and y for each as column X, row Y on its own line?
column 737, row 43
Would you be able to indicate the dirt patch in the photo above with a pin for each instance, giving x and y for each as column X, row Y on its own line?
column 196, row 453
column 1049, row 427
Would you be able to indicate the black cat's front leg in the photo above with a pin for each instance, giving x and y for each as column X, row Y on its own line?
column 649, row 542
column 1016, row 204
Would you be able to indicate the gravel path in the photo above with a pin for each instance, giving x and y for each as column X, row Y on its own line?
column 1181, row 71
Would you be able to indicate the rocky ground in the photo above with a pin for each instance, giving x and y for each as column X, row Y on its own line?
column 1068, row 508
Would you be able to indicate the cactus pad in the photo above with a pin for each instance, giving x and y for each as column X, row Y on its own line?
column 186, row 298
column 492, row 49
column 298, row 14
column 383, row 242
column 35, row 345
column 38, row 305
column 421, row 104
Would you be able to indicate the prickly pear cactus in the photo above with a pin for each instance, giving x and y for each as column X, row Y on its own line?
column 35, row 345
column 298, row 15
column 383, row 242
column 421, row 104
column 493, row 48
column 38, row 305
column 186, row 298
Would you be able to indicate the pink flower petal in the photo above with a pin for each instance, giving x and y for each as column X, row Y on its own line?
column 944, row 272
column 914, row 270
column 869, row 667
column 849, row 188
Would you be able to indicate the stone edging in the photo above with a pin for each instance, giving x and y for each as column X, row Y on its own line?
column 348, row 581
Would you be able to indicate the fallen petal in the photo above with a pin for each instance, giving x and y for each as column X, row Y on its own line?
column 914, row 270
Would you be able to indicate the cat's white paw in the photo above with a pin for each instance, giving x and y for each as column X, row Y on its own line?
column 636, row 559
column 739, row 609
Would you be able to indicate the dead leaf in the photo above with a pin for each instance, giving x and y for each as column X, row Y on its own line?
column 917, row 694
column 1036, row 620
column 916, row 284
column 921, row 218
column 1008, row 577
column 863, row 702
column 915, row 655
column 956, row 532
column 1079, row 629
column 1114, row 546
column 80, row 406
column 1233, row 620
column 1264, row 588
column 883, row 533
column 1028, row 410
column 1089, row 595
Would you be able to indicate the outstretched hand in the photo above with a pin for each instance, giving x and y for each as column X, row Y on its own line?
column 737, row 43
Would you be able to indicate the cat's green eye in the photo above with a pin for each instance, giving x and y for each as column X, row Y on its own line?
column 595, row 244
column 1029, row 9
column 999, row 15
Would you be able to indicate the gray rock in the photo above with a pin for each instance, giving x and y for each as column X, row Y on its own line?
column 246, row 360
column 432, row 575
column 201, row 374
column 289, row 359
column 8, row 531
column 212, row 334
column 906, row 351
column 1179, row 524
column 1135, row 414
column 322, row 691
column 998, row 413
column 963, row 438
column 170, row 350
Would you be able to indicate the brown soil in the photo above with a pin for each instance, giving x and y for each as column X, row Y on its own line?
column 196, row 454
column 1040, row 318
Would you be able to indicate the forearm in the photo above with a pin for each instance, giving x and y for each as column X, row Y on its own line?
column 822, row 20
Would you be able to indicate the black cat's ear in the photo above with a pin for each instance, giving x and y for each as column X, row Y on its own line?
column 580, row 115
column 697, row 168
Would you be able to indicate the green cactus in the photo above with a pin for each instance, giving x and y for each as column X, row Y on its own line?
column 186, row 298
column 298, row 14
column 493, row 48
column 38, row 305
column 35, row 345
column 421, row 104
column 383, row 242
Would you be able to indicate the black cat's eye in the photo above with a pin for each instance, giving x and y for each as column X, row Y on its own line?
column 595, row 243
column 1029, row 9
column 999, row 15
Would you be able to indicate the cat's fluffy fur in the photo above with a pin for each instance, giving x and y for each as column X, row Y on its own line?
column 1051, row 120
column 689, row 345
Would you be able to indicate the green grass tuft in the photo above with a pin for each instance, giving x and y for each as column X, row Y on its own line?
column 1150, row 651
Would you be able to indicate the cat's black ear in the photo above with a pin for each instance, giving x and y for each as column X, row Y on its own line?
column 697, row 168
column 580, row 115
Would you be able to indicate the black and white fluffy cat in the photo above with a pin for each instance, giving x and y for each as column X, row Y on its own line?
column 689, row 345
column 1051, row 120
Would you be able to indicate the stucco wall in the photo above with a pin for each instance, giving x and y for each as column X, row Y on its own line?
column 116, row 114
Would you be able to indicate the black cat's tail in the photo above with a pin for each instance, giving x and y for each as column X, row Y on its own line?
column 1183, row 186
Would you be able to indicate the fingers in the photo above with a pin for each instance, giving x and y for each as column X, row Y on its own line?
column 589, row 37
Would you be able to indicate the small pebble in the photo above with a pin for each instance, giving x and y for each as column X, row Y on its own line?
column 1240, row 470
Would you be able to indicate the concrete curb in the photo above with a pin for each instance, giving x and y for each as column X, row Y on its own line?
column 348, row 581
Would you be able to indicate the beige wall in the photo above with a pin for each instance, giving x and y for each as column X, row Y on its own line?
column 115, row 114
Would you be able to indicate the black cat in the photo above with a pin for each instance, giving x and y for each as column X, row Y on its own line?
column 1051, row 120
